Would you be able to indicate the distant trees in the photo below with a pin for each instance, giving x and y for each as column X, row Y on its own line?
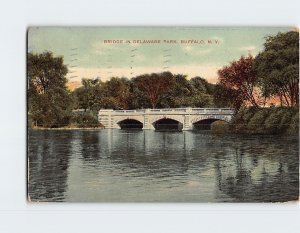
column 277, row 67
column 156, row 90
column 87, row 96
column 179, row 94
column 119, row 90
column 196, row 92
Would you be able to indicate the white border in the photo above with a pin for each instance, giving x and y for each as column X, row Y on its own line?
column 16, row 215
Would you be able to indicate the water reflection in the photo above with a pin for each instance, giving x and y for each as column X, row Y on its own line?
column 48, row 165
column 131, row 165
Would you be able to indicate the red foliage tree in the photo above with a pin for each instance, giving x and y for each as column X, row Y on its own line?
column 240, row 76
column 154, row 85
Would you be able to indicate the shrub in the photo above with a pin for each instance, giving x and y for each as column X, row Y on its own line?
column 285, row 121
column 220, row 127
column 256, row 123
column 272, row 123
column 294, row 125
column 85, row 121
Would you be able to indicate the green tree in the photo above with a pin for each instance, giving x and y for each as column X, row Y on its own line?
column 49, row 102
column 46, row 72
column 188, row 93
column 118, row 89
column 277, row 67
column 179, row 94
column 138, row 99
column 201, row 85
column 226, row 97
column 88, row 96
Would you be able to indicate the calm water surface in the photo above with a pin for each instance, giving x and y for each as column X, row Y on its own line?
column 145, row 166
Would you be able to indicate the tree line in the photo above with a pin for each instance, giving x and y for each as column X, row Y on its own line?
column 249, row 81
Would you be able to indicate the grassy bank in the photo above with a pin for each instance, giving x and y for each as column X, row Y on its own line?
column 75, row 121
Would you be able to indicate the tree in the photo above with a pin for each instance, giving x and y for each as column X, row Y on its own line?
column 240, row 76
column 137, row 99
column 180, row 93
column 154, row 85
column 88, row 96
column 277, row 67
column 119, row 89
column 201, row 85
column 226, row 97
column 49, row 102
column 46, row 72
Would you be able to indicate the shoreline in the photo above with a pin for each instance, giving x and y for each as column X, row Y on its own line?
column 69, row 128
column 204, row 131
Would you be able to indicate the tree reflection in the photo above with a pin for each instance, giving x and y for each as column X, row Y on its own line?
column 48, row 162
column 276, row 185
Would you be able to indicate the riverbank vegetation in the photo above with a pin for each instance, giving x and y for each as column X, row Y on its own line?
column 263, row 90
column 274, row 120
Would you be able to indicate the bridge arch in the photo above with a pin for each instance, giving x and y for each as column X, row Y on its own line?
column 205, row 123
column 129, row 122
column 168, row 123
column 211, row 117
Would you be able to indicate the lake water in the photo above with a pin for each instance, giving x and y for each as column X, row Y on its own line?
column 147, row 166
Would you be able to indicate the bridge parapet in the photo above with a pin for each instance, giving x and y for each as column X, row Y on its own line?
column 170, row 110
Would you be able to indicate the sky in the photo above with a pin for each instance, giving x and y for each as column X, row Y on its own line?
column 106, row 52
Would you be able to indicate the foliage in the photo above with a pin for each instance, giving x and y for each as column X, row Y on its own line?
column 188, row 93
column 274, row 120
column 240, row 78
column 85, row 120
column 154, row 85
column 294, row 124
column 277, row 67
column 46, row 72
column 119, row 89
column 87, row 96
column 226, row 97
column 201, row 85
column 49, row 102
column 272, row 123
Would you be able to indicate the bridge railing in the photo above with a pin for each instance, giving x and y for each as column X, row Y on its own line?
column 172, row 110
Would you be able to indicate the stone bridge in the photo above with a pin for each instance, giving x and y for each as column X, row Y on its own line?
column 148, row 118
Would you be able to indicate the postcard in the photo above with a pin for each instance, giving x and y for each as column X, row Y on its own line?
column 163, row 114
